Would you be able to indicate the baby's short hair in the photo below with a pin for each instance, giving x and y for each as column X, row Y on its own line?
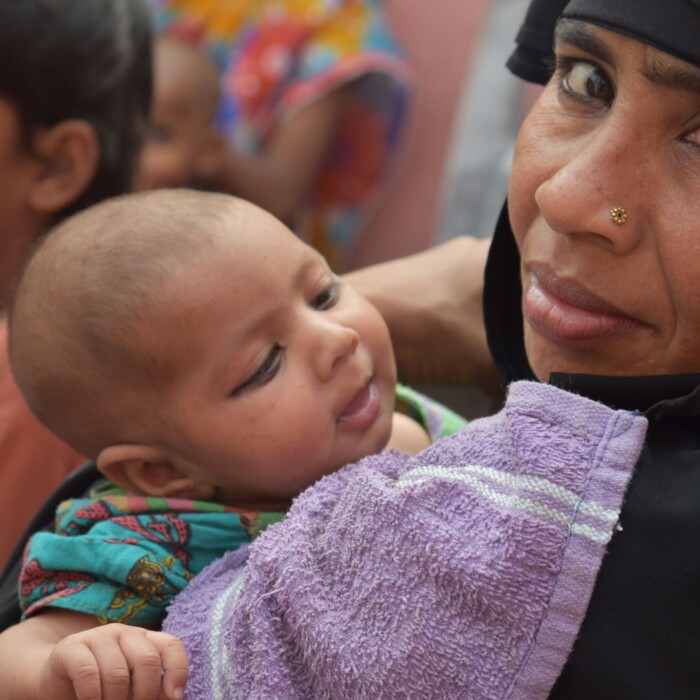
column 79, row 320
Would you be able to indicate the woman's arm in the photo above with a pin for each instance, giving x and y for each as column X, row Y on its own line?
column 432, row 302
column 407, row 435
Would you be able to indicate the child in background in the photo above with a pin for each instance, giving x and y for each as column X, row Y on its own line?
column 204, row 354
column 313, row 104
column 183, row 147
column 75, row 86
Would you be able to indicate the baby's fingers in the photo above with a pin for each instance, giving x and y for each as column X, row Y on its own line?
column 158, row 665
column 173, row 659
column 72, row 671
column 92, row 671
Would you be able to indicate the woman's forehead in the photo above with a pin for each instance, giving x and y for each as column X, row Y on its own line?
column 659, row 67
column 672, row 26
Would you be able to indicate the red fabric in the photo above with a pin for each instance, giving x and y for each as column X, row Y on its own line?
column 32, row 460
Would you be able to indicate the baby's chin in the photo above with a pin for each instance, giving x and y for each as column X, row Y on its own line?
column 384, row 426
column 368, row 445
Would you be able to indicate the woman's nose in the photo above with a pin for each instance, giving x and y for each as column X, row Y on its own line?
column 333, row 345
column 599, row 192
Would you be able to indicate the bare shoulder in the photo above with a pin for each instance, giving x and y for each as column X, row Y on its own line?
column 407, row 435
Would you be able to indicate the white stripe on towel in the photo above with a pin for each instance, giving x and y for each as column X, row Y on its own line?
column 478, row 477
column 219, row 663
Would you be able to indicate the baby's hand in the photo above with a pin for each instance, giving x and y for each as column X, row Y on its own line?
column 116, row 662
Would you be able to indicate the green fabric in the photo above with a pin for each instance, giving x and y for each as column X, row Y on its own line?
column 438, row 420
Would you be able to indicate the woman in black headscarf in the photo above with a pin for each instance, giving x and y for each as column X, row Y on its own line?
column 591, row 284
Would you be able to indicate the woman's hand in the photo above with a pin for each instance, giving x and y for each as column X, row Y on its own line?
column 432, row 302
column 407, row 435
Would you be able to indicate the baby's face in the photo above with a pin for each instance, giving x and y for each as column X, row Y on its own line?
column 285, row 373
column 177, row 149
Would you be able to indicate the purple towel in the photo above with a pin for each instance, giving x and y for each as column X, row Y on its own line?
column 463, row 572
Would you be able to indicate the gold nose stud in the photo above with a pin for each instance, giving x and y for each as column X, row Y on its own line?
column 618, row 216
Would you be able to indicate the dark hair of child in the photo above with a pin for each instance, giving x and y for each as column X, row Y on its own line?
column 76, row 59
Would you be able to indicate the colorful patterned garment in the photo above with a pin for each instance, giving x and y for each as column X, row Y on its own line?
column 277, row 56
column 123, row 558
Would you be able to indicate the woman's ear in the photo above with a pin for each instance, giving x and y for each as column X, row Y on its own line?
column 67, row 155
column 148, row 471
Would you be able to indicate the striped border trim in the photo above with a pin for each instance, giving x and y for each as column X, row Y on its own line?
column 482, row 479
column 219, row 663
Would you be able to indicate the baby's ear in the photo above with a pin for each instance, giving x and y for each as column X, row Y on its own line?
column 148, row 471
column 67, row 155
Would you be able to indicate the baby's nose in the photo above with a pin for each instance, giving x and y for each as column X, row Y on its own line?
column 334, row 346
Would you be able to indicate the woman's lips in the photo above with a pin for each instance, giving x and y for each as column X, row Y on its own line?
column 563, row 310
column 362, row 409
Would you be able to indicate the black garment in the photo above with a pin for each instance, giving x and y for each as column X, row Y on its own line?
column 672, row 26
column 640, row 639
column 535, row 40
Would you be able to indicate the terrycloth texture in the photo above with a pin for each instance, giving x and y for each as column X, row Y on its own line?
column 461, row 573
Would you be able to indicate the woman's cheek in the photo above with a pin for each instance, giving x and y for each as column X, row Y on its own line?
column 537, row 152
column 521, row 195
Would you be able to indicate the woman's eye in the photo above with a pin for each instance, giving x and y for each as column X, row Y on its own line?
column 327, row 298
column 586, row 81
column 694, row 137
column 265, row 373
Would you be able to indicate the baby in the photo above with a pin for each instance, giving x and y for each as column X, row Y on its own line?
column 196, row 349
column 183, row 147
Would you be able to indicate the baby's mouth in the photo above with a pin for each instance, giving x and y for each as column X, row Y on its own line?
column 363, row 407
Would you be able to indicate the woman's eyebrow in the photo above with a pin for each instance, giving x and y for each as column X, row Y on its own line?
column 659, row 71
column 578, row 35
column 673, row 76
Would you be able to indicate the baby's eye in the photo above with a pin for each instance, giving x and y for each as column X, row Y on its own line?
column 327, row 298
column 584, row 80
column 265, row 373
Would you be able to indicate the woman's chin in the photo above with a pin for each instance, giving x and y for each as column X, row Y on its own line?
column 546, row 357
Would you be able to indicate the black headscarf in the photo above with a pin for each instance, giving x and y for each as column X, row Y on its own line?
column 672, row 26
